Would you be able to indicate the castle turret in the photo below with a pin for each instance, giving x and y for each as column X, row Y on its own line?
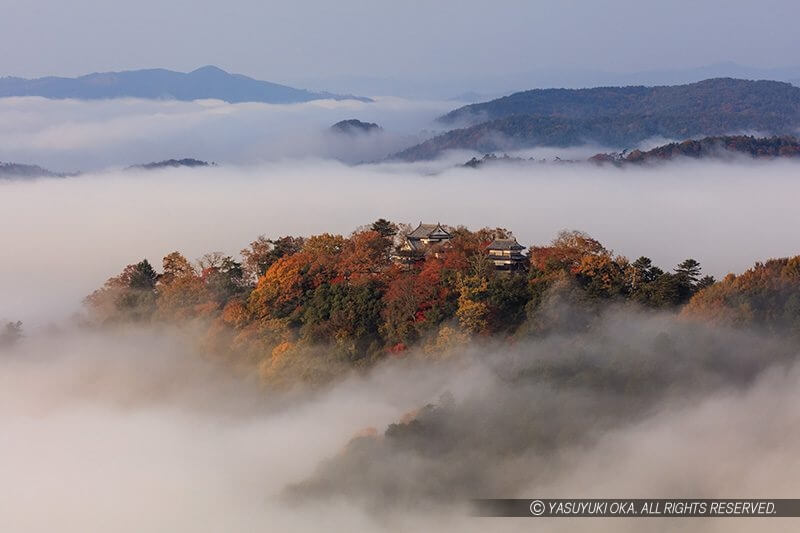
column 506, row 254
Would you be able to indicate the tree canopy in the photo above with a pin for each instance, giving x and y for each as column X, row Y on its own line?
column 320, row 305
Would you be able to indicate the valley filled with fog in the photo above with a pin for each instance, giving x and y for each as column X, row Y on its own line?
column 79, row 135
column 132, row 430
column 399, row 267
column 66, row 236
column 133, row 427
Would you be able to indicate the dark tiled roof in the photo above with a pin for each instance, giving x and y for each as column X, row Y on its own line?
column 424, row 230
column 505, row 244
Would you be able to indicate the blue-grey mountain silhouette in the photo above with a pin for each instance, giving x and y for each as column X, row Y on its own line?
column 205, row 82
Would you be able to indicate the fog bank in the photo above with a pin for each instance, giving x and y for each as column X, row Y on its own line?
column 62, row 238
column 131, row 430
column 73, row 135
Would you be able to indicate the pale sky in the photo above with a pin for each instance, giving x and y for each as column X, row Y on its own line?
column 301, row 40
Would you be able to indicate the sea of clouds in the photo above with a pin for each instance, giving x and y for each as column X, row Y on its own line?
column 74, row 135
column 131, row 431
column 134, row 431
column 62, row 238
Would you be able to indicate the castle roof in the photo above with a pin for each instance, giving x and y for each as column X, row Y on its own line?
column 505, row 244
column 424, row 231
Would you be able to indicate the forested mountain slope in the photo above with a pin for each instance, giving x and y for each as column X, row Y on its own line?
column 723, row 147
column 718, row 95
column 618, row 117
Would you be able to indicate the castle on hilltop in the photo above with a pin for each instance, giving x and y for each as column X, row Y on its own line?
column 506, row 254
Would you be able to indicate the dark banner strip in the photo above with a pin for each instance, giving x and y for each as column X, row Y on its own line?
column 637, row 508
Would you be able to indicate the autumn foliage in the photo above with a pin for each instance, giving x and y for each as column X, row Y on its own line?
column 767, row 295
column 314, row 307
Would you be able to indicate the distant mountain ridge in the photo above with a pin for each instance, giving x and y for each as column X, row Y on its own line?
column 17, row 171
column 727, row 147
column 203, row 83
column 446, row 86
column 710, row 148
column 712, row 95
column 617, row 117
column 21, row 171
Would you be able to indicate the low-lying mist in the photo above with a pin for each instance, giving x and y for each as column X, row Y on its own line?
column 130, row 430
column 62, row 238
column 78, row 136
column 73, row 135
column 133, row 428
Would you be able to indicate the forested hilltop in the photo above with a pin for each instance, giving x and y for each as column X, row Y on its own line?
column 309, row 309
column 20, row 171
column 718, row 148
column 617, row 116
column 710, row 147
